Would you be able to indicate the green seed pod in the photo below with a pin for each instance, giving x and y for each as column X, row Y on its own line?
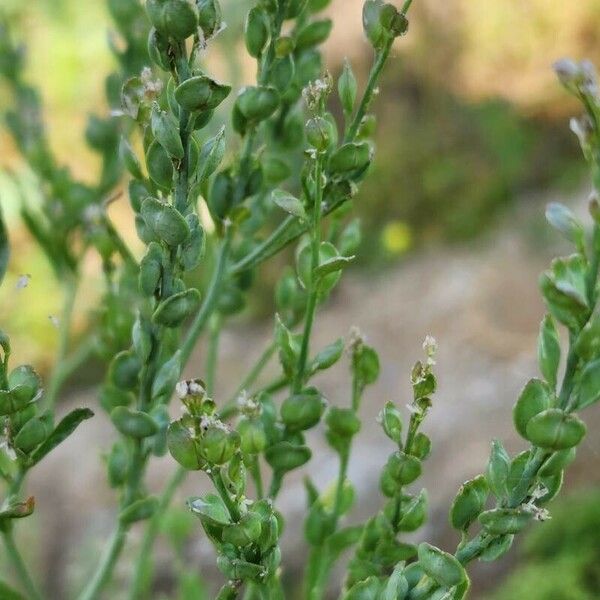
column 141, row 336
column 558, row 462
column 20, row 419
column 24, row 382
column 343, row 421
column 256, row 32
column 159, row 165
column 200, row 93
column 118, row 465
column 504, row 521
column 253, row 439
column 257, row 103
column 275, row 170
column 101, row 134
column 151, row 270
column 548, row 350
column 209, row 17
column 182, row 447
column 245, row 532
column 318, row 5
column 394, row 22
column 469, row 503
column 372, row 24
column 294, row 8
column 139, row 510
column 313, row 34
column 286, row 456
column 498, row 547
column 403, row 468
column 202, row 119
column 588, row 390
column 33, row 433
column 303, row 410
column 350, row 157
column 234, row 569
column 173, row 18
column 166, row 132
column 221, row 195
column 111, row 396
column 554, row 429
column 159, row 50
column 173, row 311
column 138, row 192
column 124, row 370
column 130, row 160
column 347, row 88
column 165, row 221
column 218, row 445
column 318, row 524
column 319, row 133
column 282, row 76
column 192, row 249
column 133, row 423
column 11, row 403
column 498, row 469
column 535, row 398
column 415, row 513
column 442, row 567
column 367, row 127
column 421, row 446
column 391, row 421
column 284, row 46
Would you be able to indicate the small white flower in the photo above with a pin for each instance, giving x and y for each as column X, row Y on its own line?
column 23, row 281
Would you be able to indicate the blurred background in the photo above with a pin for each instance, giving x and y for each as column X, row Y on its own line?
column 472, row 141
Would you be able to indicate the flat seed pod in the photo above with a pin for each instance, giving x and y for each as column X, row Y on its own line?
column 201, row 93
column 404, row 468
column 469, row 503
column 442, row 567
column 182, row 447
column 124, row 370
column 173, row 311
column 165, row 221
column 174, row 18
column 303, row 411
column 555, row 430
column 257, row 103
column 139, row 510
column 133, row 423
column 535, row 398
column 350, row 157
column 313, row 34
column 504, row 521
column 159, row 165
column 286, row 456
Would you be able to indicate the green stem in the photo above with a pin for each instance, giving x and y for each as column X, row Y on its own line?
column 256, row 474
column 217, row 479
column 144, row 557
column 213, row 353
column 19, row 564
column 275, row 486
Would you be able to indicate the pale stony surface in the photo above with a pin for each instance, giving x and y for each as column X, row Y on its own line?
column 482, row 305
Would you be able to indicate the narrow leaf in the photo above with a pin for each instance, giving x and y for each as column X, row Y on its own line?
column 289, row 203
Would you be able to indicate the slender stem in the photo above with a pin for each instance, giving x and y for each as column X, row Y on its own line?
column 144, row 557
column 275, row 486
column 314, row 285
column 19, row 564
column 255, row 472
column 213, row 353
column 107, row 565
column 217, row 479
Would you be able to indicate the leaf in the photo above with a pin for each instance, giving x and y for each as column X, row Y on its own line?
column 211, row 508
column 548, row 350
column 289, row 203
column 9, row 593
column 563, row 220
column 4, row 248
column 332, row 265
column 589, row 385
column 61, row 432
column 328, row 356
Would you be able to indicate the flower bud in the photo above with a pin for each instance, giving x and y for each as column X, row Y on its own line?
column 253, row 439
column 257, row 103
column 217, row 445
column 165, row 221
column 133, row 423
column 173, row 18
column 201, row 93
column 303, row 410
column 313, row 34
column 319, row 133
column 256, row 32
column 173, row 311
column 159, row 165
column 555, row 429
column 209, row 17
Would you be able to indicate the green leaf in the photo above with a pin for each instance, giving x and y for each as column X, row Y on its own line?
column 210, row 508
column 328, row 356
column 549, row 350
column 61, row 432
column 9, row 593
column 289, row 203
column 442, row 567
column 588, row 390
column 4, row 248
column 563, row 220
column 332, row 265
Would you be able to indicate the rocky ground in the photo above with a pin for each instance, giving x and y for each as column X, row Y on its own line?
column 480, row 302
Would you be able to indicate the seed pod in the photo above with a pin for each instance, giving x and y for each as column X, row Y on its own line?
column 256, row 32
column 217, row 445
column 588, row 390
column 159, row 165
column 118, row 465
column 173, row 311
column 284, row 46
column 498, row 469
column 371, row 22
column 535, row 398
column 201, row 120
column 20, row 419
column 504, row 521
column 166, row 132
column 286, row 456
column 246, row 531
column 165, row 221
column 415, row 513
column 200, row 93
column 11, row 403
column 159, row 50
column 555, row 430
column 319, row 133
column 33, row 433
column 193, row 248
column 124, row 370
column 403, row 468
column 101, row 134
column 498, row 547
column 282, row 77
column 257, row 103
column 350, row 157
column 391, row 421
column 173, row 18
column 303, row 410
column 313, row 34
column 141, row 336
column 421, row 446
column 347, row 88
column 182, row 447
column 139, row 510
column 130, row 160
column 253, row 439
column 469, row 503
column 548, row 350
column 294, row 8
column 209, row 17
column 343, row 421
column 150, row 270
column 24, row 382
column 221, row 195
column 133, row 423
column 275, row 170
column 558, row 462
column 442, row 567
column 393, row 22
